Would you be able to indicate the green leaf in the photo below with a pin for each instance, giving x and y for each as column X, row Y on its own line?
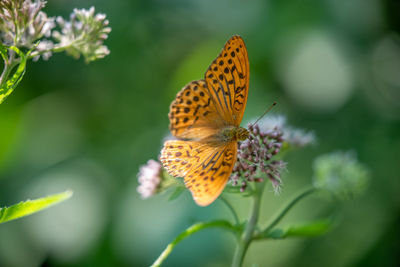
column 177, row 192
column 31, row 206
column 310, row 229
column 8, row 86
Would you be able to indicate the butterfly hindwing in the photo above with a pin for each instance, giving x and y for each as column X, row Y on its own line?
column 207, row 180
column 179, row 157
column 228, row 80
column 205, row 167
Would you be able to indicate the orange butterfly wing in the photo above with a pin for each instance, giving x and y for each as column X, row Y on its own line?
column 228, row 80
column 206, row 168
column 200, row 111
column 192, row 114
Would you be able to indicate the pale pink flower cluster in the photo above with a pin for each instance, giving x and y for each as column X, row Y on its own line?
column 255, row 158
column 149, row 178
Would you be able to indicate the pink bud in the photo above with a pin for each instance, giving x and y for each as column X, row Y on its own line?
column 276, row 151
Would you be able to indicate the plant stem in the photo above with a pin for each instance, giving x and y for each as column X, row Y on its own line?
column 247, row 235
column 285, row 210
column 4, row 74
column 231, row 209
column 189, row 231
column 55, row 49
column 8, row 66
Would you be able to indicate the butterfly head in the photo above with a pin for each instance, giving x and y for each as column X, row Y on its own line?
column 241, row 134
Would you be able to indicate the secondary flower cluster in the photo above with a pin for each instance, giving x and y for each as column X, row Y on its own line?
column 255, row 157
column 292, row 136
column 23, row 24
column 341, row 174
column 149, row 178
column 84, row 34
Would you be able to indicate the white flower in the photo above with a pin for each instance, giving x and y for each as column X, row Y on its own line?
column 293, row 136
column 340, row 173
column 22, row 23
column 298, row 137
column 83, row 34
column 271, row 122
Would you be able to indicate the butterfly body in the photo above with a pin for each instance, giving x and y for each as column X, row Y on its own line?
column 205, row 117
column 234, row 133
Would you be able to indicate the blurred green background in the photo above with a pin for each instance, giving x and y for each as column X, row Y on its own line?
column 333, row 66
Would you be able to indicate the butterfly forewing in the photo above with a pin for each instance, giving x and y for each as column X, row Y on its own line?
column 192, row 114
column 228, row 80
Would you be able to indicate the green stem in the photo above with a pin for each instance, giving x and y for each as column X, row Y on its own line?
column 231, row 209
column 247, row 235
column 284, row 211
column 4, row 74
column 55, row 49
column 189, row 231
column 59, row 48
column 8, row 67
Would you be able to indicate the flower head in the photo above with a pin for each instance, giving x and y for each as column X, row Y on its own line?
column 256, row 157
column 341, row 174
column 22, row 22
column 154, row 180
column 292, row 136
column 149, row 178
column 84, row 34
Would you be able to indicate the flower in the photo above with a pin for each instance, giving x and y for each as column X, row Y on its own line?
column 255, row 157
column 298, row 137
column 44, row 47
column 149, row 178
column 22, row 22
column 341, row 174
column 292, row 136
column 83, row 34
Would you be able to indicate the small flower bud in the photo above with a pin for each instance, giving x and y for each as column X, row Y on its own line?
column 243, row 187
column 275, row 151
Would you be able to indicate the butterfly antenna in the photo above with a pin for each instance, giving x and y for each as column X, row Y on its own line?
column 265, row 112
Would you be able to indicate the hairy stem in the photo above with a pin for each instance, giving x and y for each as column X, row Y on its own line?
column 247, row 235
column 189, row 231
column 59, row 48
column 4, row 74
column 55, row 49
column 9, row 64
column 231, row 209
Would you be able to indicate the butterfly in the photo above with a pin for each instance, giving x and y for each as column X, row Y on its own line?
column 205, row 117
